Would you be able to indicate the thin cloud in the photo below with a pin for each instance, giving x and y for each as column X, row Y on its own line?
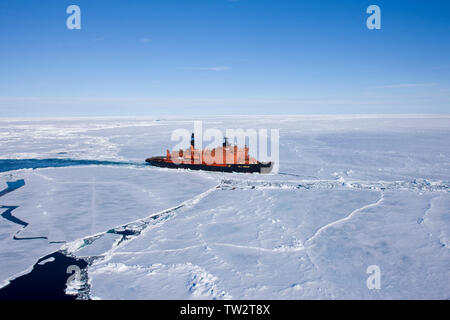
column 145, row 40
column 441, row 68
column 99, row 39
column 96, row 106
column 407, row 85
column 219, row 68
column 368, row 70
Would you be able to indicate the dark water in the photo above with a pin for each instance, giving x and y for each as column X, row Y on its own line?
column 11, row 186
column 8, row 213
column 46, row 281
column 124, row 233
column 8, row 216
column 16, row 164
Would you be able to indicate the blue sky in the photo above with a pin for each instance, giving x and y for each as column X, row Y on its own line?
column 197, row 57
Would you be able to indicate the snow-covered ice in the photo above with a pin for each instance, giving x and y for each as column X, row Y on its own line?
column 351, row 191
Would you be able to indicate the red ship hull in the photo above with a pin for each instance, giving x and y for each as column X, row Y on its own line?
column 260, row 167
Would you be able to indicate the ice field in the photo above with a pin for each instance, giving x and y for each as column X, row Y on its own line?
column 351, row 192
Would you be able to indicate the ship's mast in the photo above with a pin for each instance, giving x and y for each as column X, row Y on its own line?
column 224, row 150
column 225, row 142
column 192, row 147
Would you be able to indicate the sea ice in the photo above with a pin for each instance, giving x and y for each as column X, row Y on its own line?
column 352, row 191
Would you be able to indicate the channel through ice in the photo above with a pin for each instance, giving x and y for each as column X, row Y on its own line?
column 351, row 191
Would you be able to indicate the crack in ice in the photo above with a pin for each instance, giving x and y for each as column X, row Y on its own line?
column 348, row 217
column 417, row 185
